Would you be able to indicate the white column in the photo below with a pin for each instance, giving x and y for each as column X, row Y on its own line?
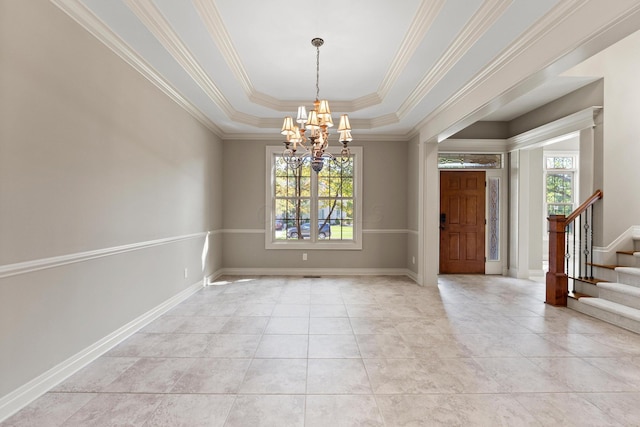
column 429, row 233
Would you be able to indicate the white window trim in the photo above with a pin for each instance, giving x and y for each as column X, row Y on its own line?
column 574, row 180
column 272, row 243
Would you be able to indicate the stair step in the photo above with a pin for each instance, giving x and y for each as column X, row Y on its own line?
column 626, row 252
column 593, row 281
column 606, row 266
column 629, row 275
column 612, row 312
column 633, row 291
column 620, row 293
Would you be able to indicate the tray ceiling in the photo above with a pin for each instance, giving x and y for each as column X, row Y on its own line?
column 239, row 66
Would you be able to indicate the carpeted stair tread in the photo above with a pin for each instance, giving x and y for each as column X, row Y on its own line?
column 613, row 307
column 633, row 291
column 634, row 271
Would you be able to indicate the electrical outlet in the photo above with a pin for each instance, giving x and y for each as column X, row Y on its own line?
column 186, row 273
column 304, row 256
column 413, row 260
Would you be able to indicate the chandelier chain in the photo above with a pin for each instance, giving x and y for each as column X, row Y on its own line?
column 317, row 72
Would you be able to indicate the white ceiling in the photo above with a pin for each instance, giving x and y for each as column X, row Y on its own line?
column 239, row 66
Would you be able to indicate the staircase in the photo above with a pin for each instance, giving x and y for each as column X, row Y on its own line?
column 615, row 297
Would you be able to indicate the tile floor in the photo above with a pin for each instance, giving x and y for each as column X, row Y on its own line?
column 358, row 351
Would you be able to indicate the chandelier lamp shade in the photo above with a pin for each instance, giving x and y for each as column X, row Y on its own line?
column 298, row 147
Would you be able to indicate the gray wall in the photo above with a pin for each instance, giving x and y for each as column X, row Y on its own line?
column 92, row 157
column 591, row 95
column 384, row 210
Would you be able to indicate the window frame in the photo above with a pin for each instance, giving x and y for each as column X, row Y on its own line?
column 570, row 171
column 313, row 243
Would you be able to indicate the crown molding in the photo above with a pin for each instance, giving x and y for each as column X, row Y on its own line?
column 421, row 24
column 77, row 11
column 557, row 129
column 425, row 16
column 534, row 34
column 156, row 23
column 488, row 13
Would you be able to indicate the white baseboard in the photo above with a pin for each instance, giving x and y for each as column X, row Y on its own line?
column 22, row 396
column 607, row 254
column 318, row 272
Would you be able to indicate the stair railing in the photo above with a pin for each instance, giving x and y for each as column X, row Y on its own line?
column 570, row 250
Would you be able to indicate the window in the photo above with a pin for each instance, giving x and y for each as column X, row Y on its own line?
column 559, row 184
column 469, row 161
column 300, row 197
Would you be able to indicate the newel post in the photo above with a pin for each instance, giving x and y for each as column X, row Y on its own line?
column 557, row 279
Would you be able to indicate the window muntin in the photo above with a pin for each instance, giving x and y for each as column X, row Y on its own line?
column 560, row 172
column 300, row 197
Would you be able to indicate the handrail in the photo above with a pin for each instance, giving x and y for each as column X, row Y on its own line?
column 583, row 207
column 567, row 258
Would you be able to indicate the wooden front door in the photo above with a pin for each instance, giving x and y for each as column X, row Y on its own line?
column 462, row 221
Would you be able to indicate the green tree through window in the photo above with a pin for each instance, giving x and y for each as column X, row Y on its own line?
column 314, row 208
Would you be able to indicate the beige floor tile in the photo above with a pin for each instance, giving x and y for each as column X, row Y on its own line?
column 267, row 411
column 287, row 326
column 373, row 325
column 342, row 411
column 249, row 325
column 212, row 376
column 333, row 347
column 472, row 351
column 328, row 310
column 291, row 310
column 283, row 346
column 51, row 409
column 383, row 346
column 337, row 376
column 232, row 346
column 275, row 376
column 191, row 410
column 115, row 410
column 565, row 409
column 151, row 375
column 95, row 377
column 330, row 326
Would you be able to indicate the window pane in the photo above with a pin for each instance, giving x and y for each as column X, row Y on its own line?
column 469, row 161
column 560, row 187
column 560, row 162
column 298, row 227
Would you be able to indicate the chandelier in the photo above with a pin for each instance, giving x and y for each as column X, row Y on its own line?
column 299, row 148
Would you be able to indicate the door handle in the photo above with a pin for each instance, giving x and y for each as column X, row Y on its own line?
column 443, row 220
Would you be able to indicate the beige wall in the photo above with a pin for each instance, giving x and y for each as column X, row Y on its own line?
column 92, row 157
column 384, row 212
column 619, row 65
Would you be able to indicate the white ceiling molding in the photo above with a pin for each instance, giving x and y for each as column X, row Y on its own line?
column 550, row 21
column 481, row 21
column 156, row 23
column 422, row 22
column 77, row 11
column 216, row 28
column 557, row 129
